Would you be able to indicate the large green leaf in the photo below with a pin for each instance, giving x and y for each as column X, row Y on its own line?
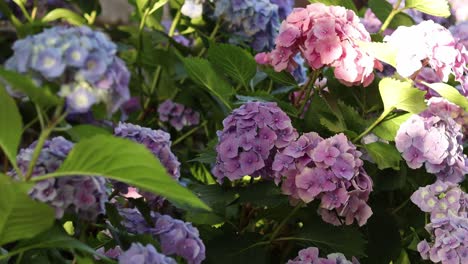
column 128, row 162
column 382, row 9
column 233, row 61
column 388, row 128
column 432, row 7
column 202, row 72
column 345, row 3
column 81, row 132
column 65, row 14
column 11, row 125
column 22, row 83
column 282, row 77
column 385, row 155
column 401, row 95
column 449, row 93
column 381, row 50
column 20, row 216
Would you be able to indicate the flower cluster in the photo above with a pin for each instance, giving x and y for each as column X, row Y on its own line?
column 178, row 115
column 81, row 61
column 159, row 143
column 192, row 8
column 82, row 195
column 176, row 236
column 435, row 138
column 430, row 44
column 139, row 254
column 459, row 9
column 441, row 199
column 325, row 36
column 327, row 169
column 448, row 206
column 252, row 21
column 460, row 32
column 311, row 256
column 252, row 135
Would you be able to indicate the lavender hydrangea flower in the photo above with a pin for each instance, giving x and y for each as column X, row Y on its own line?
column 311, row 256
column 178, row 115
column 448, row 206
column 460, row 32
column 192, row 8
column 255, row 22
column 327, row 169
column 252, row 134
column 139, row 254
column 176, row 237
column 84, row 196
column 434, row 138
column 159, row 143
column 81, row 61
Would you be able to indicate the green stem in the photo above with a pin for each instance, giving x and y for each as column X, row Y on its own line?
column 184, row 136
column 308, row 89
column 396, row 10
column 40, row 143
column 400, row 206
column 212, row 36
column 39, row 116
column 24, row 11
column 376, row 122
column 285, row 220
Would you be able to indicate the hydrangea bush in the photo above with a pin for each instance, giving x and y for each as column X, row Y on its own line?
column 208, row 131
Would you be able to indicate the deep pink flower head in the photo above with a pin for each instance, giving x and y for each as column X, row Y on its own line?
column 431, row 44
column 252, row 135
column 324, row 36
column 329, row 170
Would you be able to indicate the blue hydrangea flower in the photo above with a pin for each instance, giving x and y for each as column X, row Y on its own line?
column 81, row 61
column 139, row 254
column 84, row 196
column 254, row 22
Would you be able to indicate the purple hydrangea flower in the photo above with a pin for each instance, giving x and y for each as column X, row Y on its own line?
column 432, row 44
column 178, row 115
column 159, row 143
column 447, row 203
column 327, row 169
column 460, row 32
column 81, row 61
column 434, row 138
column 252, row 134
column 82, row 195
column 176, row 237
column 139, row 254
column 311, row 256
column 255, row 22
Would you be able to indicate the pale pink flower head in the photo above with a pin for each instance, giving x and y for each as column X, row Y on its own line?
column 325, row 36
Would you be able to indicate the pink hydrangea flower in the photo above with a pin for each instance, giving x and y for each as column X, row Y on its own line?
column 324, row 36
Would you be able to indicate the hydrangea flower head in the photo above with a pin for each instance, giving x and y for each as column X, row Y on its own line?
column 327, row 169
column 82, row 195
column 432, row 44
column 139, row 254
column 311, row 256
column 81, row 61
column 253, row 21
column 175, row 236
column 460, row 32
column 324, row 36
column 192, row 8
column 178, row 115
column 156, row 141
column 435, row 138
column 252, row 134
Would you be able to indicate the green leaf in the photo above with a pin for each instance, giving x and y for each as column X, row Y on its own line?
column 54, row 238
column 382, row 9
column 351, row 117
column 381, row 50
column 450, row 93
column 20, row 82
column 129, row 162
column 388, row 128
column 349, row 4
column 11, row 124
column 21, row 217
column 438, row 8
column 383, row 234
column 401, row 95
column 66, row 14
column 202, row 72
column 141, row 4
column 157, row 5
column 81, row 132
column 233, row 61
column 385, row 155
column 282, row 77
